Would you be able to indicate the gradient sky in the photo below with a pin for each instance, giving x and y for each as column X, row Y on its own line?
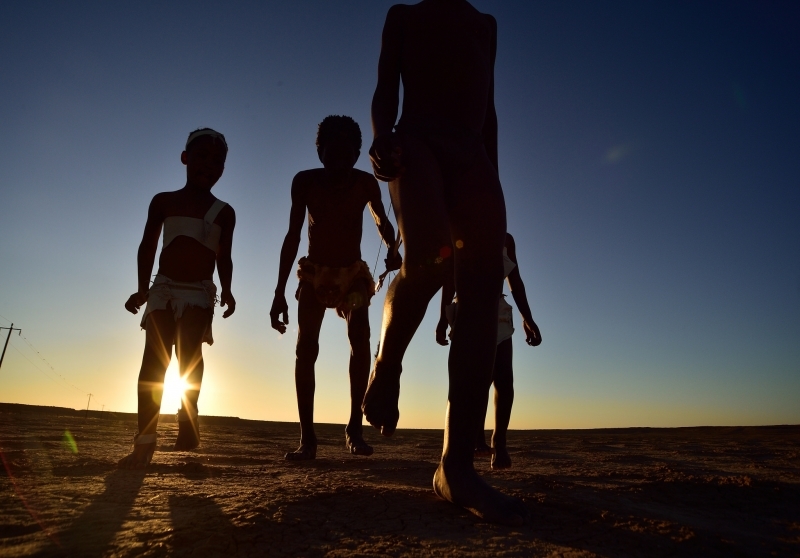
column 649, row 152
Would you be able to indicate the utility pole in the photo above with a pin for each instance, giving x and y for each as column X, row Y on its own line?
column 10, row 329
column 87, row 407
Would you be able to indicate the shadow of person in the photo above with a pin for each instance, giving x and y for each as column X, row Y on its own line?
column 93, row 531
column 200, row 526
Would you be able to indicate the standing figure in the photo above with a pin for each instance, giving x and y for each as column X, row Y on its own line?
column 441, row 162
column 503, row 373
column 198, row 234
column 333, row 275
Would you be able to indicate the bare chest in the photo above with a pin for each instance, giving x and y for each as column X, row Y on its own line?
column 330, row 207
column 459, row 47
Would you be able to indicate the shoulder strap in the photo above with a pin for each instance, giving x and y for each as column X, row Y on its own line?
column 213, row 211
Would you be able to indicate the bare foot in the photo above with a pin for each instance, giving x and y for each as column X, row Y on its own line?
column 482, row 449
column 141, row 455
column 501, row 459
column 356, row 444
column 380, row 402
column 305, row 452
column 188, row 436
column 463, row 487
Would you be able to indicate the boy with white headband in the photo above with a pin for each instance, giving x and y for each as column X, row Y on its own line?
column 198, row 234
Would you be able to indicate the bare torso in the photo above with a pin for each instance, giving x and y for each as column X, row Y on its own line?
column 446, row 72
column 335, row 216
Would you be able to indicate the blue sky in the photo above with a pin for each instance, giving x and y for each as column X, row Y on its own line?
column 648, row 152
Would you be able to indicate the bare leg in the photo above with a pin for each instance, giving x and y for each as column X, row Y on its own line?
column 309, row 321
column 419, row 204
column 192, row 327
column 476, row 215
column 503, row 400
column 477, row 222
column 358, row 334
column 160, row 333
column 482, row 449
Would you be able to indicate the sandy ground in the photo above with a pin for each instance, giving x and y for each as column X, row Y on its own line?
column 617, row 492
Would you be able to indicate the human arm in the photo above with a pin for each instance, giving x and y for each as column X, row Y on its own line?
column 448, row 292
column 385, row 229
column 146, row 255
column 489, row 132
column 532, row 335
column 227, row 221
column 385, row 151
column 291, row 243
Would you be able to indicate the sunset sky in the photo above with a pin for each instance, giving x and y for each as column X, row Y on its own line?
column 649, row 154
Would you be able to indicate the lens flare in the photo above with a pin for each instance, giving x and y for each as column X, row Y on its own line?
column 174, row 387
column 69, row 442
column 617, row 153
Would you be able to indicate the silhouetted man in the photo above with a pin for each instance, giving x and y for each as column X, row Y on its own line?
column 441, row 162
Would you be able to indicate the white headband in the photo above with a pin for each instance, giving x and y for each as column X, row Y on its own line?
column 208, row 132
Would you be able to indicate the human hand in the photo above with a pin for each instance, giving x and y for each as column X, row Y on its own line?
column 441, row 333
column 135, row 301
column 279, row 307
column 393, row 261
column 226, row 298
column 386, row 157
column 532, row 335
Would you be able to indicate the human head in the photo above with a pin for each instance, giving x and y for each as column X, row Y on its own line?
column 200, row 132
column 204, row 157
column 338, row 142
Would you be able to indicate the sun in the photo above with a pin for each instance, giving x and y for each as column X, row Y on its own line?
column 174, row 388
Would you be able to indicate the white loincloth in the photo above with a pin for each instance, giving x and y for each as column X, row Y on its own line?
column 505, row 317
column 505, row 325
column 180, row 294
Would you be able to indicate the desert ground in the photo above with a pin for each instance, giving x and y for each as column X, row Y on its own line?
column 711, row 491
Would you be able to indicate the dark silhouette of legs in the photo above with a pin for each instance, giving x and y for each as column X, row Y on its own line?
column 503, row 380
column 160, row 332
column 474, row 208
column 358, row 332
column 309, row 320
column 191, row 328
column 418, row 198
column 477, row 223
column 503, row 400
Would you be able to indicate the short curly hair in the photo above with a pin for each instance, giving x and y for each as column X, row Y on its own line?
column 333, row 126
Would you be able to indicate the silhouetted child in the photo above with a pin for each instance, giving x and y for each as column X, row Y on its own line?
column 441, row 162
column 198, row 233
column 503, row 373
column 333, row 275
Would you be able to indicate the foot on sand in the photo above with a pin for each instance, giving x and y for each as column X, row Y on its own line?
column 463, row 487
column 380, row 402
column 144, row 446
column 482, row 449
column 356, row 444
column 188, row 436
column 501, row 459
column 305, row 452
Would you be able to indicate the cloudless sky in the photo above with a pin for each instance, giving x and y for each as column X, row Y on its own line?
column 649, row 153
